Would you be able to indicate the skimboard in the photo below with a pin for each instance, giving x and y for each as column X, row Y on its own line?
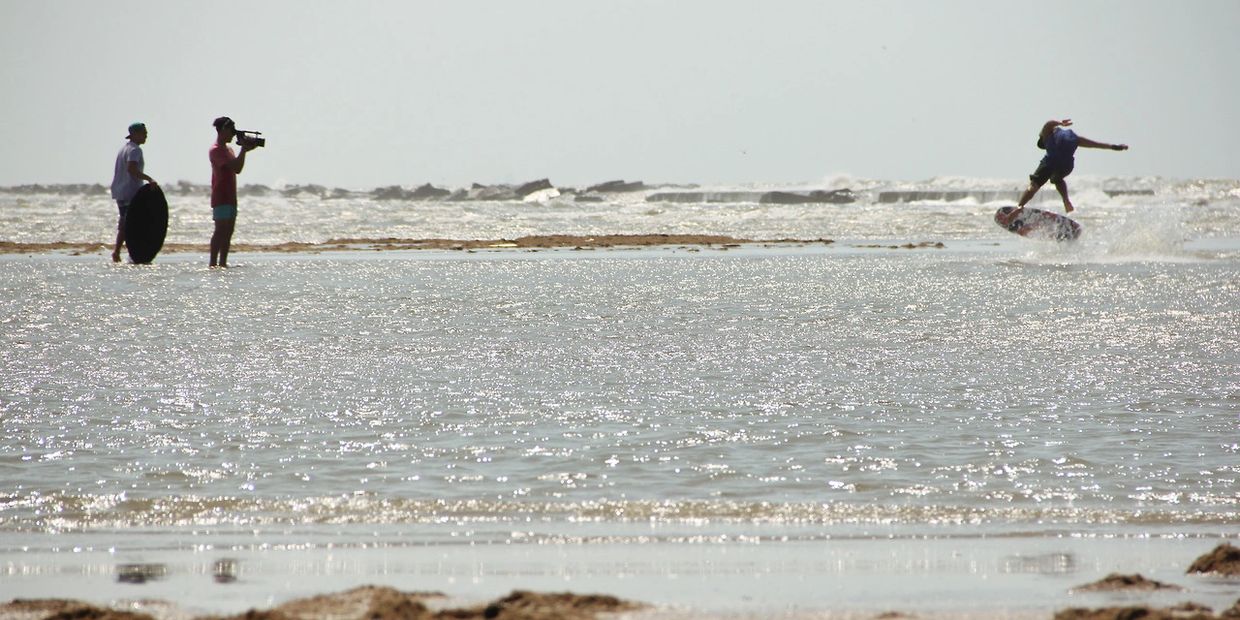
column 146, row 224
column 1030, row 222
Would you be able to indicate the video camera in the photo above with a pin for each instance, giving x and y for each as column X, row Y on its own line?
column 250, row 138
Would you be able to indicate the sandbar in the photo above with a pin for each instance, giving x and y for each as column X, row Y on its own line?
column 394, row 243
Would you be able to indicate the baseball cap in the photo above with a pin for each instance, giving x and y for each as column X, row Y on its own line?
column 136, row 127
column 222, row 121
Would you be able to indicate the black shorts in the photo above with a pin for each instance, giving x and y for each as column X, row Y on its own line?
column 1050, row 172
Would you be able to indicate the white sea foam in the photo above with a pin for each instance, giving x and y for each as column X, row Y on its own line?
column 936, row 209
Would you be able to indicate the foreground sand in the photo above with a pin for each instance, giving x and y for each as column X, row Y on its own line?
column 364, row 603
column 386, row 603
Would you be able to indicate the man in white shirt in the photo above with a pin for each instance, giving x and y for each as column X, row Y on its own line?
column 127, row 179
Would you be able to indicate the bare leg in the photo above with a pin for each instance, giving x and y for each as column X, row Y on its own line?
column 1062, row 186
column 120, row 232
column 1034, row 186
column 221, row 239
column 215, row 245
column 226, row 243
column 120, row 241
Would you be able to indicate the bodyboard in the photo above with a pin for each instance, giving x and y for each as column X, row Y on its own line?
column 146, row 224
column 1030, row 222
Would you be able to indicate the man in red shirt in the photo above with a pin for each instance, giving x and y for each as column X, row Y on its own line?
column 225, row 166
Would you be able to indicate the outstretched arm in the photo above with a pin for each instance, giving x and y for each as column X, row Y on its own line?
column 1090, row 144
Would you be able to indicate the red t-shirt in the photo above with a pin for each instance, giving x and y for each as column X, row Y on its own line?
column 223, row 179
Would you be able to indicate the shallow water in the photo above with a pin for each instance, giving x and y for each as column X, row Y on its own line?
column 788, row 396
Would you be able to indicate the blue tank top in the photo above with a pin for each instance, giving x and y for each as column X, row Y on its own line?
column 1060, row 147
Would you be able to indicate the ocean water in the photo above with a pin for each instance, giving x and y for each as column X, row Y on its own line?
column 990, row 422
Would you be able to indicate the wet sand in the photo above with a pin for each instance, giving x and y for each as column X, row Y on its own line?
column 247, row 589
column 392, row 243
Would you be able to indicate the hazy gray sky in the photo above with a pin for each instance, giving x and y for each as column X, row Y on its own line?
column 368, row 93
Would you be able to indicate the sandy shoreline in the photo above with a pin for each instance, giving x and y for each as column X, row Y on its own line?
column 362, row 603
column 385, row 603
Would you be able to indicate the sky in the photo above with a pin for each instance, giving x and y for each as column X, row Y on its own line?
column 374, row 93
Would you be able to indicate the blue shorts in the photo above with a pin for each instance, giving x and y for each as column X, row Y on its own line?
column 224, row 212
column 1048, row 171
column 122, row 209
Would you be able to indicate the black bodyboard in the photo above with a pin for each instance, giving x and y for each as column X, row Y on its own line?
column 146, row 224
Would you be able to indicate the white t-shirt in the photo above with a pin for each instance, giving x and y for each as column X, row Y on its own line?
column 124, row 186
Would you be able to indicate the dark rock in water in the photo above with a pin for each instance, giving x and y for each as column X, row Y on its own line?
column 615, row 187
column 948, row 196
column 254, row 190
column 297, row 190
column 73, row 188
column 588, row 198
column 839, row 196
column 1233, row 611
column 184, row 188
column 339, row 192
column 707, row 197
column 1224, row 560
column 429, row 192
column 784, row 198
column 394, row 192
column 533, row 186
column 1118, row 583
column 1183, row 611
column 836, row 196
column 526, row 604
column 491, row 193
